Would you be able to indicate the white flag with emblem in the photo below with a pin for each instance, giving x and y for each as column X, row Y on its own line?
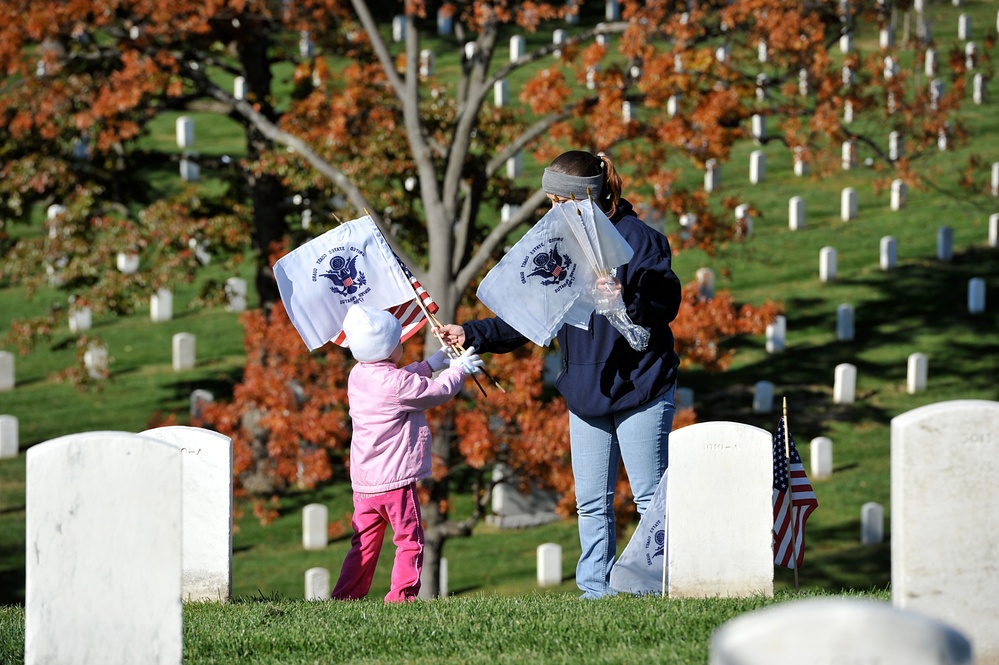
column 535, row 285
column 639, row 570
column 348, row 265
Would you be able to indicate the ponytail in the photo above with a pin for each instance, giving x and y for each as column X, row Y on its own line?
column 612, row 187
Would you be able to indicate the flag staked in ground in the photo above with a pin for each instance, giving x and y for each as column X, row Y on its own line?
column 793, row 501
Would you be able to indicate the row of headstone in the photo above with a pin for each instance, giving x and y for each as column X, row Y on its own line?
column 888, row 260
column 89, row 499
column 317, row 581
column 945, row 605
column 845, row 378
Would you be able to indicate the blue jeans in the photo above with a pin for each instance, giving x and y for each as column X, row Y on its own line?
column 641, row 437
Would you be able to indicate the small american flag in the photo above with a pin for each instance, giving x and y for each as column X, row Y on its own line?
column 410, row 314
column 791, row 508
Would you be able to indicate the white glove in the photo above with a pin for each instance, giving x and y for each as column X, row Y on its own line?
column 438, row 361
column 468, row 362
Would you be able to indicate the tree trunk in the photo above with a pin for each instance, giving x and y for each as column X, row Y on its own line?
column 435, row 516
column 265, row 190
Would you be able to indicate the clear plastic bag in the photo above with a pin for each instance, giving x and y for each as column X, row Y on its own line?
column 607, row 301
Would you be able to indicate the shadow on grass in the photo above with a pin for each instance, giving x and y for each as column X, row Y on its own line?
column 12, row 586
column 925, row 295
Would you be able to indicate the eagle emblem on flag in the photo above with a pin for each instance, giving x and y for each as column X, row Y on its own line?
column 551, row 266
column 346, row 278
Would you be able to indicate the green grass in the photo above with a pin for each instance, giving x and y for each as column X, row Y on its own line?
column 533, row 628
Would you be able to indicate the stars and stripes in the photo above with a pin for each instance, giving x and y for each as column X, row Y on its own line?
column 793, row 501
column 410, row 314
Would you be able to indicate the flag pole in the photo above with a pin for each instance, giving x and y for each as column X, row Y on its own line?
column 790, row 494
column 430, row 320
column 458, row 348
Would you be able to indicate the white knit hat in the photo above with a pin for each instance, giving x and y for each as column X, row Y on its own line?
column 372, row 334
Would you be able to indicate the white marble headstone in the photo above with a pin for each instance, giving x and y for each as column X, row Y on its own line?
column 848, row 204
column 844, row 383
column 207, row 509
column 80, row 319
column 515, row 509
column 821, row 449
column 827, row 264
column 95, row 360
column 315, row 529
column 161, row 305
column 763, row 394
column 720, row 473
column 917, row 367
column 844, row 322
column 683, row 398
column 8, row 436
column 501, row 93
column 847, row 156
column 944, row 532
column 183, row 351
column 757, row 166
column 515, row 166
column 103, row 560
column 837, row 630
column 712, row 175
column 888, row 253
column 6, row 370
column 549, row 564
column 185, row 132
column 976, row 295
column 199, row 398
column 235, row 291
column 945, row 243
column 317, row 584
column 518, row 46
column 872, row 523
column 796, row 213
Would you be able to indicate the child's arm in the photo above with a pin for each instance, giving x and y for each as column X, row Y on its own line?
column 418, row 393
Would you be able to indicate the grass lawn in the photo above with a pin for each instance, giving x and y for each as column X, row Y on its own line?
column 531, row 628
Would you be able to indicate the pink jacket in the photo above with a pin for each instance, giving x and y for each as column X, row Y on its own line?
column 390, row 446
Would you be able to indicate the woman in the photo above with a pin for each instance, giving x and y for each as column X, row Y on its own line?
column 620, row 399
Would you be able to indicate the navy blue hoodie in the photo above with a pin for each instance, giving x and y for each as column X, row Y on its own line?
column 601, row 374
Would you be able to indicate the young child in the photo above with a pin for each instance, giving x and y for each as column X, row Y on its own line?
column 390, row 448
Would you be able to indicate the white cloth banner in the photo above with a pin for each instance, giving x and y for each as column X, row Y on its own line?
column 639, row 570
column 544, row 281
column 348, row 265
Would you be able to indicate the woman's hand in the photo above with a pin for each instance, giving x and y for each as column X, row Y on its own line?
column 451, row 334
column 608, row 286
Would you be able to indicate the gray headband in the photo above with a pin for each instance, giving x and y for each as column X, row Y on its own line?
column 569, row 186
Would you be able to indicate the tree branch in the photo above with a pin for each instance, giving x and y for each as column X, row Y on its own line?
column 296, row 145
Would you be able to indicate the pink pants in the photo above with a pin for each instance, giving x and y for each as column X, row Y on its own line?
column 399, row 508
